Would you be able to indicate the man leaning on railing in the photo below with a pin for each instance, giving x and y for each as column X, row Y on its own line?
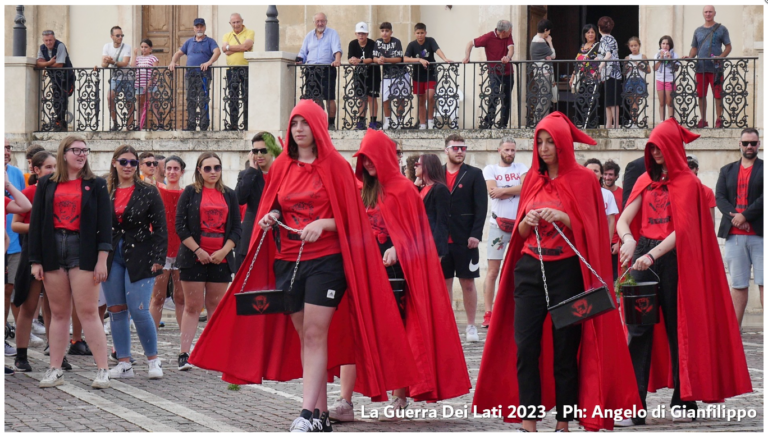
column 118, row 54
column 321, row 46
column 234, row 45
column 53, row 53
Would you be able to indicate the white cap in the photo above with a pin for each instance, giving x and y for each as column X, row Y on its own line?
column 361, row 27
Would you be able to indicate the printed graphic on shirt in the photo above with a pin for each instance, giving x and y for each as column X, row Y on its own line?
column 377, row 224
column 547, row 231
column 658, row 201
column 301, row 207
column 65, row 208
column 213, row 216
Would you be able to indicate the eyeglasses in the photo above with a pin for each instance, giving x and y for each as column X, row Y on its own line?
column 262, row 151
column 417, row 165
column 120, row 36
column 125, row 162
column 749, row 142
column 79, row 151
column 151, row 164
column 216, row 168
column 457, row 148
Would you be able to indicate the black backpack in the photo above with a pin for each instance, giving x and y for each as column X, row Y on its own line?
column 69, row 75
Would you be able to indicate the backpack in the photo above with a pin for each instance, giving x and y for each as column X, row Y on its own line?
column 69, row 75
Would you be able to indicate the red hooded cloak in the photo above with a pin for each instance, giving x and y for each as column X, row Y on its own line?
column 712, row 361
column 429, row 322
column 366, row 330
column 605, row 369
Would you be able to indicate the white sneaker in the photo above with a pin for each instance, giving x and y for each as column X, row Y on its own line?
column 102, row 379
column 386, row 127
column 35, row 341
column 341, row 411
column 52, row 377
column 472, row 333
column 430, row 124
column 155, row 369
column 301, row 425
column 70, row 329
column 37, row 327
column 398, row 404
column 624, row 423
column 122, row 370
column 422, row 126
column 10, row 351
column 133, row 326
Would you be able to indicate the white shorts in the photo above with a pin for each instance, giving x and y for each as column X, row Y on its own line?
column 102, row 298
column 170, row 264
column 398, row 88
column 497, row 242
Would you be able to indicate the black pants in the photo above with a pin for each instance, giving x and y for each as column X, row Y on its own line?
column 615, row 265
column 501, row 90
column 198, row 85
column 564, row 281
column 641, row 336
column 60, row 105
column 237, row 98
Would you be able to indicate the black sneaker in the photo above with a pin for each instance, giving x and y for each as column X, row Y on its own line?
column 22, row 365
column 65, row 364
column 184, row 362
column 9, row 371
column 326, row 423
column 47, row 350
column 79, row 348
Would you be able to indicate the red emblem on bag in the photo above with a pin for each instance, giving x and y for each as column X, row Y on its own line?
column 260, row 304
column 643, row 305
column 581, row 308
column 461, row 185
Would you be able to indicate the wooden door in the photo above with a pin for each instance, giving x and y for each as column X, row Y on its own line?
column 535, row 14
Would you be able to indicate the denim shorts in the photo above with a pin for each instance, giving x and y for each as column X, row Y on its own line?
column 743, row 252
column 68, row 248
column 122, row 85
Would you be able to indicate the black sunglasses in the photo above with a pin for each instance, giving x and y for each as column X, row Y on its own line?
column 216, row 168
column 125, row 162
column 151, row 163
column 260, row 150
column 749, row 142
column 119, row 35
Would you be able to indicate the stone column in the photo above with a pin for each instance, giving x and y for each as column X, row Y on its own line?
column 271, row 90
column 21, row 96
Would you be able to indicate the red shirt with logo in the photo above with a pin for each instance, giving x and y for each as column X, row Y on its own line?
column 377, row 224
column 29, row 192
column 742, row 192
column 303, row 199
column 122, row 197
column 213, row 220
column 553, row 246
column 618, row 194
column 657, row 222
column 67, row 200
column 425, row 191
column 450, row 179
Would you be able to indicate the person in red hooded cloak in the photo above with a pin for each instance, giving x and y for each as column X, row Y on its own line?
column 667, row 227
column 584, row 365
column 312, row 188
column 400, row 224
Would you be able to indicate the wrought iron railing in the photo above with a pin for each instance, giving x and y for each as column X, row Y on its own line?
column 479, row 95
column 143, row 99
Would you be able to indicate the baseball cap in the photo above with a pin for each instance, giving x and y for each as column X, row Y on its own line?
column 361, row 27
column 693, row 158
column 199, row 22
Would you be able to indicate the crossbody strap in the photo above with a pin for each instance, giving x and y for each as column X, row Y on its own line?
column 264, row 235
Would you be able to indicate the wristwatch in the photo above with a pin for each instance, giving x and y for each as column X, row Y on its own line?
column 227, row 48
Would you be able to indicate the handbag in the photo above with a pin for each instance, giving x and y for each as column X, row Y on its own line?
column 505, row 224
column 579, row 76
column 260, row 302
column 583, row 306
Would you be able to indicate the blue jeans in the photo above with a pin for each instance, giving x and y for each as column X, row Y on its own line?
column 119, row 290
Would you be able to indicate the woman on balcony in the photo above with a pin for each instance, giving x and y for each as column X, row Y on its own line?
column 140, row 241
column 72, row 212
column 610, row 72
column 585, row 78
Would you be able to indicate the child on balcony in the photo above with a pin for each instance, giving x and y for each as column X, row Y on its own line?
column 665, row 74
column 635, row 87
column 144, row 77
column 423, row 50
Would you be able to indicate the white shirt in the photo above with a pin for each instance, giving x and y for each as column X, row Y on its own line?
column 666, row 72
column 610, row 202
column 505, row 177
column 111, row 51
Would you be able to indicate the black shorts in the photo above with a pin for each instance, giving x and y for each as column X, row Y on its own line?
column 318, row 281
column 460, row 262
column 219, row 273
column 612, row 92
column 68, row 248
column 321, row 82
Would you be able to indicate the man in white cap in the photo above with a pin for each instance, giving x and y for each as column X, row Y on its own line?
column 367, row 79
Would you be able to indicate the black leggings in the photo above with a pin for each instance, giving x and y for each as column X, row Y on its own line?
column 564, row 281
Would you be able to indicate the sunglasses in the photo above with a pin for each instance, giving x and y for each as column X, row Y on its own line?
column 119, row 35
column 262, row 151
column 749, row 142
column 216, row 168
column 457, row 148
column 151, row 164
column 79, row 151
column 126, row 162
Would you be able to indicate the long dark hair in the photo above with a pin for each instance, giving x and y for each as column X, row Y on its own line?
column 656, row 169
column 113, row 179
column 432, row 169
column 586, row 29
column 410, row 166
column 371, row 188
column 38, row 160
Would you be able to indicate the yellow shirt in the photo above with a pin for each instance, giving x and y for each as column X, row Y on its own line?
column 237, row 59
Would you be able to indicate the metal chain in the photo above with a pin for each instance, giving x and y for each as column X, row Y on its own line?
column 264, row 235
column 541, row 260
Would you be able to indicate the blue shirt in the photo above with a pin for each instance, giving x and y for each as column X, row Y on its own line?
column 199, row 52
column 16, row 177
column 708, row 46
column 320, row 51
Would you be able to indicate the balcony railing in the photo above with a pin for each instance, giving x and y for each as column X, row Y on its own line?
column 143, row 99
column 480, row 95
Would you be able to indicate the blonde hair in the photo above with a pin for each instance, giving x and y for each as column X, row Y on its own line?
column 199, row 181
column 61, row 174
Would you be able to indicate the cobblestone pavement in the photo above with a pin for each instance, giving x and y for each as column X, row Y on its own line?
column 198, row 400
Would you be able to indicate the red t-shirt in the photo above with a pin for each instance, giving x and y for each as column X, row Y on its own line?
column 7, row 200
column 657, row 222
column 617, row 195
column 377, row 224
column 710, row 197
column 425, row 191
column 742, row 192
column 30, row 194
column 450, row 179
column 495, row 49
column 553, row 246
column 67, row 202
column 171, row 201
column 122, row 197
column 303, row 199
column 213, row 220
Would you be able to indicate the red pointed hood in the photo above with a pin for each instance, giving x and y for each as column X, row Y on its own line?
column 670, row 136
column 382, row 151
column 564, row 133
column 317, row 119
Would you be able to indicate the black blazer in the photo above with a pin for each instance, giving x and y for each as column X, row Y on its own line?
column 95, row 224
column 436, row 204
column 188, row 224
column 725, row 195
column 632, row 172
column 250, row 186
column 468, row 206
column 142, row 247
